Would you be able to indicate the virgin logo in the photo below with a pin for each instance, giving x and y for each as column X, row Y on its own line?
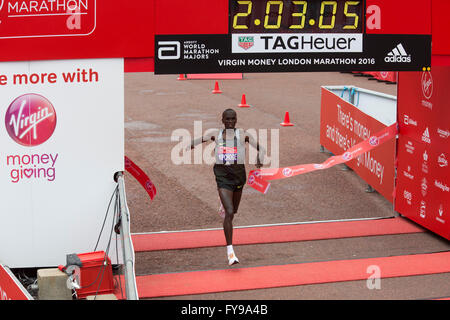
column 30, row 120
column 427, row 84
column 148, row 185
column 347, row 156
column 287, row 172
column 373, row 141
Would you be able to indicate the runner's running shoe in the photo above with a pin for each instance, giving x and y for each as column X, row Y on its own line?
column 232, row 259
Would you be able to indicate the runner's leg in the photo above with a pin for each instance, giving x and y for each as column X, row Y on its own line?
column 236, row 200
column 226, row 196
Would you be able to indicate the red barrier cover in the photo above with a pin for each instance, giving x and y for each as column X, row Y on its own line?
column 423, row 174
column 214, row 76
column 9, row 286
column 389, row 76
column 342, row 125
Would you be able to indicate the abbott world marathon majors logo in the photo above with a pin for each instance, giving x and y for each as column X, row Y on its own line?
column 30, row 121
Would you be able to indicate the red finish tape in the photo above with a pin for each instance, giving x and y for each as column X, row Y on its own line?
column 268, row 174
column 141, row 177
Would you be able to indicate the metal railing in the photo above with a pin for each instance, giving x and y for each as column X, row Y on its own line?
column 127, row 244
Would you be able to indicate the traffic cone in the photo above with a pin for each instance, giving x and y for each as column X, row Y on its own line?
column 286, row 122
column 243, row 103
column 216, row 88
column 181, row 77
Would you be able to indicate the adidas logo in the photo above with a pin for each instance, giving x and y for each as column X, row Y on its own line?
column 426, row 136
column 398, row 54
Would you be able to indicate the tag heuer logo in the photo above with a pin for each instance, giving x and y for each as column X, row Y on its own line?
column 245, row 42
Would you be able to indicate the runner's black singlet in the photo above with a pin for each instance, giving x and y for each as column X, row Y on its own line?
column 229, row 168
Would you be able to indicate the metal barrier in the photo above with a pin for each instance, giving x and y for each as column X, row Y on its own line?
column 127, row 244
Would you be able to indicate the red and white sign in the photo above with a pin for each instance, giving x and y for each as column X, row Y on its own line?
column 423, row 173
column 61, row 138
column 423, row 112
column 75, row 29
column 43, row 18
column 342, row 126
column 10, row 287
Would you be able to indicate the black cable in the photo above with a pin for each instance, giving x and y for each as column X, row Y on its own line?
column 117, row 255
column 101, row 271
column 116, row 189
column 105, row 259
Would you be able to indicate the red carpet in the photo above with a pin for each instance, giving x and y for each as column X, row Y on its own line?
column 233, row 279
column 274, row 234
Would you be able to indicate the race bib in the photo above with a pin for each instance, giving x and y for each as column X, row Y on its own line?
column 227, row 153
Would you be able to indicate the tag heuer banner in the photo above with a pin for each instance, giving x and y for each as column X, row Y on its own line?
column 275, row 52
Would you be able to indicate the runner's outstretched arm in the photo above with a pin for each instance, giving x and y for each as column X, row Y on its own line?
column 259, row 149
column 205, row 138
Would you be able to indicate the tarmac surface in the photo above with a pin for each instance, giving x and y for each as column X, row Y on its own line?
column 187, row 196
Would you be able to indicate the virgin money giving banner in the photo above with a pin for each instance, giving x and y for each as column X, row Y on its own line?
column 423, row 183
column 342, row 126
column 62, row 140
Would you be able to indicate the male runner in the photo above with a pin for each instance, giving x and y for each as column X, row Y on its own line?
column 229, row 171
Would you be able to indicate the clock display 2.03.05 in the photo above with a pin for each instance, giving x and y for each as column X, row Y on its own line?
column 291, row 16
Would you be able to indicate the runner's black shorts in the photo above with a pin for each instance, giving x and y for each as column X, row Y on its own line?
column 232, row 177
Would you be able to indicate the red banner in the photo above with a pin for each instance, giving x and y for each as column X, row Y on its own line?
column 29, row 19
column 440, row 25
column 44, row 30
column 141, row 177
column 342, row 125
column 355, row 151
column 396, row 17
column 423, row 174
column 10, row 287
column 389, row 76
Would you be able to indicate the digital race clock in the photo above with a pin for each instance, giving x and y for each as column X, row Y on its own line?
column 292, row 16
column 292, row 36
